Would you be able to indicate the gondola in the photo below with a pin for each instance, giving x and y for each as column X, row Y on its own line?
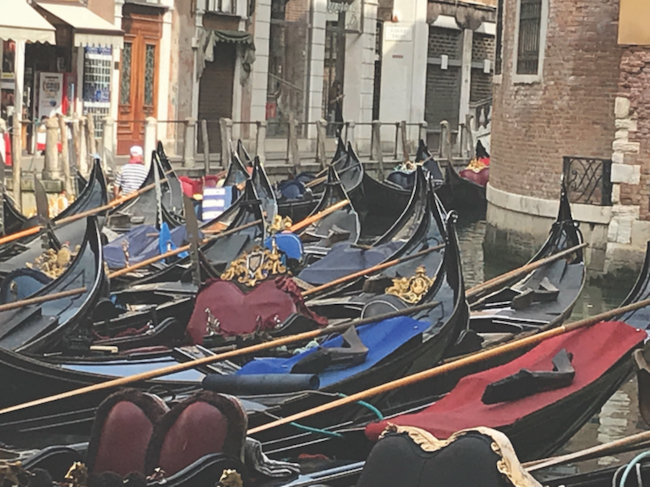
column 545, row 297
column 15, row 255
column 246, row 210
column 350, row 171
column 421, row 226
column 47, row 327
column 264, row 191
column 341, row 226
column 14, row 220
column 143, row 209
column 384, row 200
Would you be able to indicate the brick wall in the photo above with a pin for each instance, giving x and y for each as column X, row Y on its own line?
column 633, row 127
column 571, row 112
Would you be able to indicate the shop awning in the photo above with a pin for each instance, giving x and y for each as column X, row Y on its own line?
column 89, row 28
column 233, row 36
column 20, row 22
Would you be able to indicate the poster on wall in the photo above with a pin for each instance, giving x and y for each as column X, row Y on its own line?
column 50, row 94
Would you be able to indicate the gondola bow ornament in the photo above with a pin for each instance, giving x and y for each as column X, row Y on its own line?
column 256, row 266
column 411, row 289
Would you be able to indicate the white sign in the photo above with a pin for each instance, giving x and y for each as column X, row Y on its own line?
column 398, row 33
column 50, row 94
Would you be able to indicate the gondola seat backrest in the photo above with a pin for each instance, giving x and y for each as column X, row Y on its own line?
column 204, row 424
column 238, row 313
column 123, row 426
column 411, row 457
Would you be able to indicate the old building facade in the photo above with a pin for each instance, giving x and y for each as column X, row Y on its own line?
column 566, row 86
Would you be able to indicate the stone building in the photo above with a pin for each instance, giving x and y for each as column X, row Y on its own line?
column 570, row 100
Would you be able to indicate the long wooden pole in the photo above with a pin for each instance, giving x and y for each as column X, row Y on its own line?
column 451, row 366
column 172, row 369
column 370, row 270
column 525, row 269
column 314, row 218
column 42, row 299
column 613, row 447
column 179, row 250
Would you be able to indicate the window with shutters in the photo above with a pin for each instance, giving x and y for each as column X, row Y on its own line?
column 531, row 39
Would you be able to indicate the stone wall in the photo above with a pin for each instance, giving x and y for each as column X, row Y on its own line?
column 569, row 110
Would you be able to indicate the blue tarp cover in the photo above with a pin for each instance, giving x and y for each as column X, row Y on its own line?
column 381, row 338
column 143, row 243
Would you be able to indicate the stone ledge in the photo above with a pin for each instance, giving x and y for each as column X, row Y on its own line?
column 546, row 208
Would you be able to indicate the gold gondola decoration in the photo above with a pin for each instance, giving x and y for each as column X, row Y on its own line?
column 12, row 473
column 280, row 224
column 53, row 263
column 255, row 266
column 230, row 478
column 77, row 476
column 411, row 289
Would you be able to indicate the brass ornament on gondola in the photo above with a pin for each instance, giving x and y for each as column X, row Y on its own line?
column 230, row 478
column 411, row 289
column 255, row 266
column 53, row 263
column 12, row 473
column 280, row 224
column 77, row 476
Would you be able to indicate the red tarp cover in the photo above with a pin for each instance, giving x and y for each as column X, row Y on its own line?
column 595, row 350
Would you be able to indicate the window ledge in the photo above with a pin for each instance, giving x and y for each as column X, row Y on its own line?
column 526, row 79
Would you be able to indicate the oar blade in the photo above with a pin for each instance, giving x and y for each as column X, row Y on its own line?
column 42, row 206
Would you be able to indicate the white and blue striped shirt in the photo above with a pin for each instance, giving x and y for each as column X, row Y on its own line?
column 131, row 178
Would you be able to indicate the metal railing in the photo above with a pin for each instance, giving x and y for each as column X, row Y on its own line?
column 588, row 180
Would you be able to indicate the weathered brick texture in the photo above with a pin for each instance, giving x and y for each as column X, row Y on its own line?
column 569, row 112
column 634, row 84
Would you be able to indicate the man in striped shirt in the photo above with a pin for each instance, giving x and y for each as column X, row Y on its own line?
column 133, row 174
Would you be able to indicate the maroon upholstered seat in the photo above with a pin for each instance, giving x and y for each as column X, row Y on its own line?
column 121, row 432
column 203, row 424
column 238, row 313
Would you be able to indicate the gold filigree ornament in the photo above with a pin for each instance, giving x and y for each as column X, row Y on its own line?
column 12, row 473
column 53, row 263
column 230, row 478
column 280, row 224
column 411, row 289
column 255, row 266
column 77, row 476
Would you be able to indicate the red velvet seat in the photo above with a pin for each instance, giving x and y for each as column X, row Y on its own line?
column 238, row 313
column 205, row 423
column 121, row 432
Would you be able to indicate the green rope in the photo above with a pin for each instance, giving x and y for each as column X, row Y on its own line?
column 368, row 406
column 333, row 434
column 317, row 430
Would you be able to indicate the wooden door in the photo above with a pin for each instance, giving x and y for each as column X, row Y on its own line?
column 215, row 92
column 138, row 78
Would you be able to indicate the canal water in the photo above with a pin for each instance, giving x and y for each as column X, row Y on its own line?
column 619, row 417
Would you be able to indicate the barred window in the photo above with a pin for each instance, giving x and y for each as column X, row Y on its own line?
column 528, row 45
column 499, row 38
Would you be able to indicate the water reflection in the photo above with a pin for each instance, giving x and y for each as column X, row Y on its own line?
column 619, row 417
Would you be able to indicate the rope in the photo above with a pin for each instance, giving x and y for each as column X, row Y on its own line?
column 631, row 465
column 333, row 434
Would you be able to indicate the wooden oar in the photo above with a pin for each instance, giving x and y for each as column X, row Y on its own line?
column 451, row 366
column 172, row 369
column 370, row 270
column 525, row 269
column 179, row 250
column 42, row 299
column 314, row 218
column 613, row 447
